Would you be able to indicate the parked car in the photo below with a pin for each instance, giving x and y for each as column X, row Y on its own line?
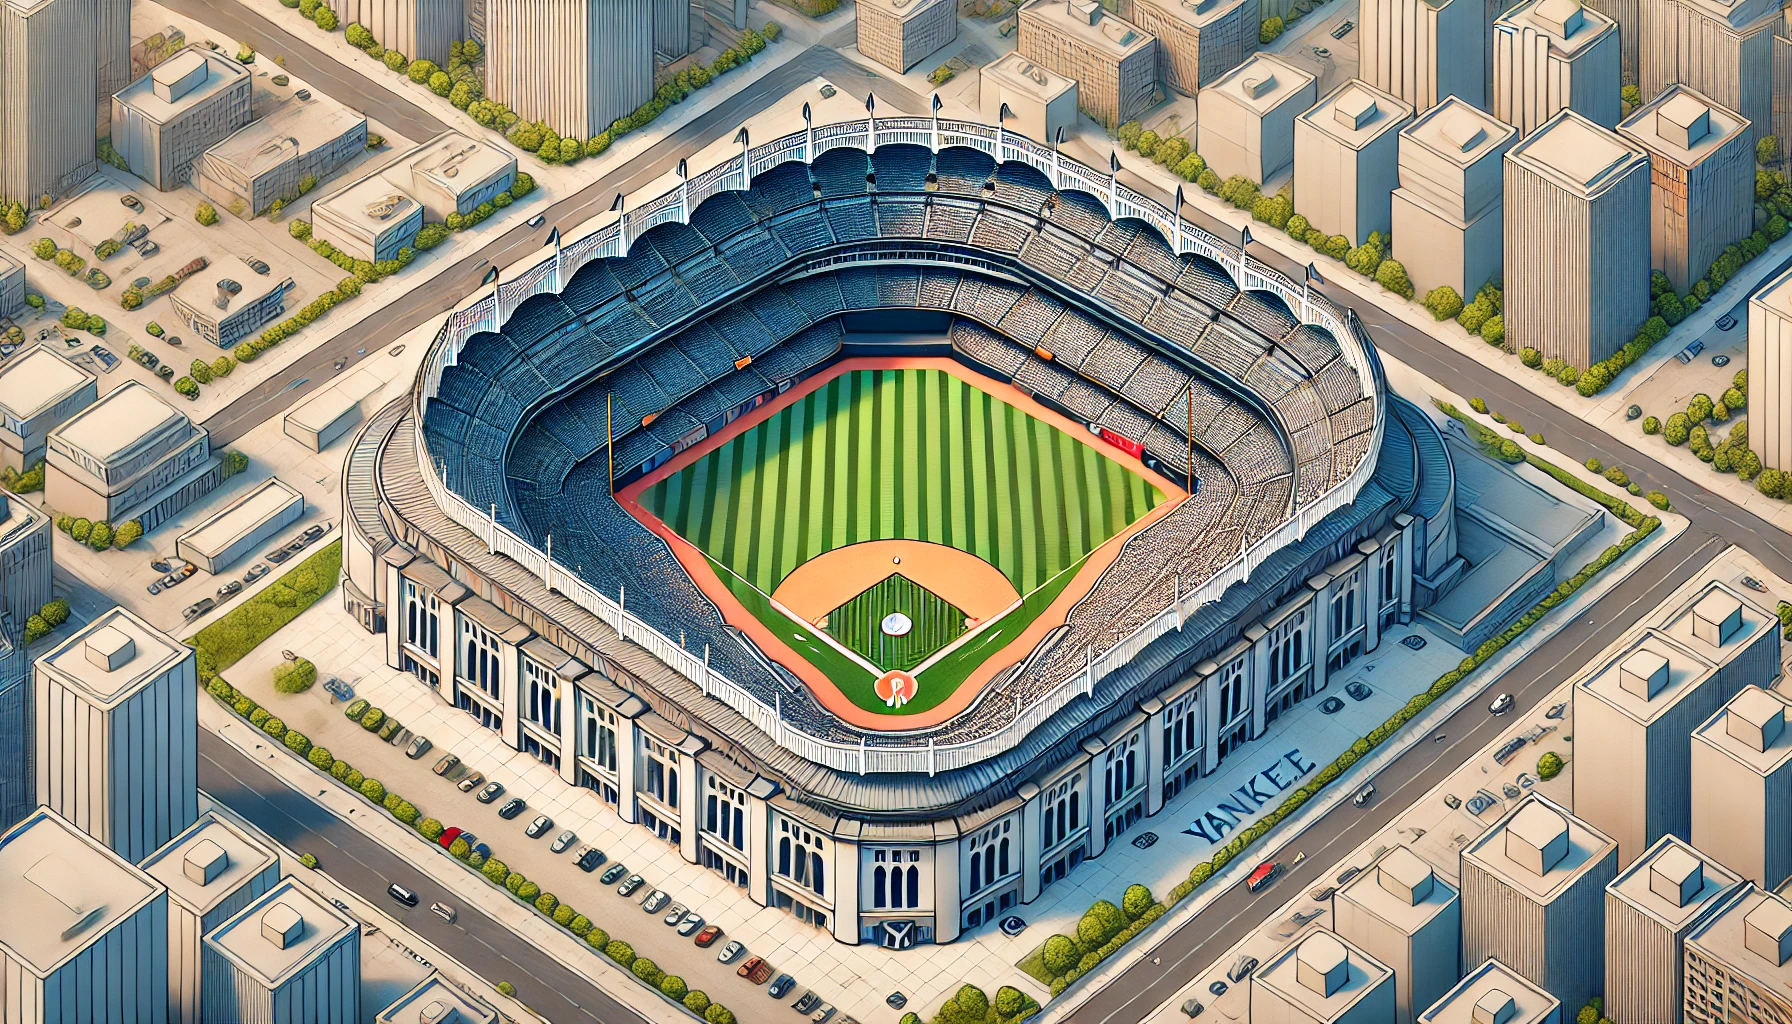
column 1556, row 710
column 278, row 555
column 471, row 782
column 256, row 571
column 781, row 986
column 230, row 590
column 1687, row 354
column 160, row 565
column 401, row 894
column 1358, row 691
column 1720, row 360
column 611, row 874
column 443, row 911
column 538, row 827
column 1323, row 893
column 674, row 914
column 1501, row 704
column 1192, row 1008
column 1243, row 969
column 806, row 1002
column 1348, row 873
column 1343, row 29
column 730, row 950
column 1218, row 987
column 656, row 901
column 312, row 532
column 630, row 885
column 707, row 936
column 258, row 266
column 148, row 249
column 1508, row 748
column 511, row 808
column 691, row 923
column 447, row 764
column 590, row 859
column 1725, row 322
column 340, row 690
column 755, row 970
column 491, row 792
column 448, row 836
column 155, row 588
column 822, row 1013
column 418, row 748
column 131, row 202
column 563, row 840
column 1266, row 873
column 198, row 608
column 1302, row 918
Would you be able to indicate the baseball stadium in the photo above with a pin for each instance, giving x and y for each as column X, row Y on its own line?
column 897, row 480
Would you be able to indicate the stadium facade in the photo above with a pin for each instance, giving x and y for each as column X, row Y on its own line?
column 484, row 541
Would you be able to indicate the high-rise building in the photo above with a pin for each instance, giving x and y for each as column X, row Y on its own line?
column 672, row 29
column 1347, row 160
column 117, row 743
column 1494, row 994
column 1650, row 908
column 25, row 568
column 1425, row 51
column 1246, row 122
column 12, row 286
column 1197, row 40
column 602, row 67
column 190, row 102
column 289, row 957
column 39, row 391
column 1399, row 912
column 901, row 33
column 1742, row 786
column 1722, row 48
column 1319, row 978
column 434, row 1001
column 49, row 96
column 1576, row 217
column 113, row 43
column 1447, row 212
column 1626, row 15
column 129, row 455
column 1739, row 963
column 211, row 871
column 419, row 29
column 1551, row 55
column 1533, row 894
column 84, row 935
column 1114, row 63
column 1638, row 705
column 1770, row 371
column 1703, row 181
column 1039, row 101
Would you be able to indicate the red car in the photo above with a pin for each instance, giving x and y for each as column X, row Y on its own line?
column 755, row 970
column 1266, row 873
column 707, row 936
column 449, row 835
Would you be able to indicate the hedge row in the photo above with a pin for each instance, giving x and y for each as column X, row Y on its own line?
column 969, row 1005
column 42, row 624
column 1103, row 929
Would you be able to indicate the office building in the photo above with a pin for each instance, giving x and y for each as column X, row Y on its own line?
column 1576, row 218
column 1739, row 963
column 1554, row 55
column 113, row 42
column 12, row 286
column 1198, row 41
column 435, row 1001
column 1650, row 908
column 1347, row 160
column 1319, row 978
column 273, row 158
column 452, row 173
column 289, row 957
column 49, row 96
column 1494, row 994
column 1246, row 119
column 1039, row 101
column 368, row 218
column 1637, row 705
column 1702, row 181
column 603, row 68
column 117, row 744
column 211, row 871
column 231, row 315
column 1770, row 371
column 128, row 456
column 1723, row 49
column 25, row 568
column 39, row 391
column 18, row 741
column 1533, row 894
column 1742, row 786
column 234, row 531
column 419, row 29
column 901, row 33
column 1113, row 63
column 1448, row 212
column 187, row 104
column 84, row 935
column 1399, row 912
column 1626, row 15
column 672, row 28
column 1425, row 51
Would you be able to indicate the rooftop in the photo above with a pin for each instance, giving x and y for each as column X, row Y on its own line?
column 297, row 126
column 1570, row 26
column 37, row 380
column 434, row 1001
column 1492, row 994
column 1673, row 883
column 120, row 419
column 167, row 92
column 1088, row 22
column 1322, row 974
column 1753, row 938
column 1751, row 729
column 1195, row 12
column 1033, row 79
column 1647, row 677
column 1262, row 82
column 64, row 890
column 320, row 410
column 230, row 523
column 1356, row 113
column 1401, row 890
column 1577, row 154
column 113, row 657
column 456, row 162
column 371, row 203
column 1458, row 132
column 904, row 9
column 1538, row 848
column 202, row 866
column 1718, row 623
column 1683, row 126
column 280, row 934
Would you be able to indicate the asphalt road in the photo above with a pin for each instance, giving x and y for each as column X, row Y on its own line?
column 367, row 867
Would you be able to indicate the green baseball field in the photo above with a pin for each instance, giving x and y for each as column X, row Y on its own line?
column 911, row 454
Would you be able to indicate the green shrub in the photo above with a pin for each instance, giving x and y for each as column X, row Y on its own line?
column 356, row 708
column 321, row 759
column 1136, row 900
column 1658, row 499
column 274, row 727
column 495, row 871
column 461, row 848
column 1443, row 302
column 674, row 987
column 341, row 770
column 1651, row 425
column 695, row 1001
column 579, row 925
column 297, row 742
column 1099, row 924
column 1549, row 765
column 718, row 1014
column 206, row 214
column 506, row 988
column 647, row 971
column 430, row 829
column 372, row 719
column 309, row 860
column 548, row 903
column 81, row 530
column 621, row 952
column 372, row 789
column 294, row 676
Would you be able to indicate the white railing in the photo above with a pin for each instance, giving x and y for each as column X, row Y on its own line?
column 912, row 752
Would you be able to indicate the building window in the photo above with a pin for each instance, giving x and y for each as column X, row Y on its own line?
column 1063, row 811
column 540, row 751
column 725, row 813
column 1344, row 609
column 1287, row 649
column 480, row 711
column 662, row 772
column 479, row 661
column 896, row 879
column 542, row 696
column 991, row 856
column 1121, row 771
column 422, row 619
column 597, row 732
column 601, row 786
column 1232, row 702
column 1182, row 721
column 1390, row 587
column 799, row 857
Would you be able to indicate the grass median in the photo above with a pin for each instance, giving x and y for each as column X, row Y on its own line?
column 225, row 642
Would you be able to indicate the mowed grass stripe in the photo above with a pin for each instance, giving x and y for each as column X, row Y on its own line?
column 914, row 454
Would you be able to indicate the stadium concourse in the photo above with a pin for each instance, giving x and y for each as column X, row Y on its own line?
column 1201, row 495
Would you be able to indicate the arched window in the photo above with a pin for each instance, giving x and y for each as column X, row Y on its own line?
column 1076, row 807
column 914, row 886
column 817, row 880
column 784, row 856
column 976, row 872
column 710, row 813
column 1004, row 857
column 879, row 898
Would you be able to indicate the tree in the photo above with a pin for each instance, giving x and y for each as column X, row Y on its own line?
column 967, row 1005
column 1129, row 135
column 15, row 218
column 1059, row 955
column 570, row 152
column 1392, row 276
column 1493, row 330
column 1767, row 150
column 358, row 35
column 1651, row 425
column 441, row 84
column 1136, row 901
column 1443, row 302
column 420, row 70
column 1271, row 28
column 395, row 61
column 1147, row 143
column 1337, row 247
column 1699, row 409
column 81, row 530
column 326, row 19
column 206, row 214
column 1099, row 924
column 462, row 95
column 1677, row 429
column 44, row 249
